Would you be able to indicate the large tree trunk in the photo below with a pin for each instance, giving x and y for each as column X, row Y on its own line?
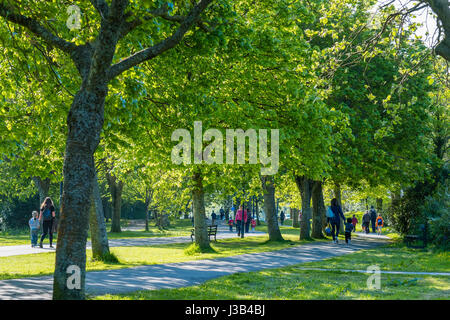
column 294, row 217
column 148, row 201
column 116, row 188
column 268, row 188
column 304, row 185
column 43, row 188
column 318, row 210
column 84, row 122
column 99, row 237
column 258, row 222
column 198, row 198
column 337, row 195
column 379, row 205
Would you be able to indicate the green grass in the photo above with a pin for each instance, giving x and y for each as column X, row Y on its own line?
column 295, row 283
column 43, row 263
column 178, row 228
column 394, row 257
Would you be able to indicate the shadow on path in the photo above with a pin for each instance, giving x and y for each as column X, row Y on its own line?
column 174, row 275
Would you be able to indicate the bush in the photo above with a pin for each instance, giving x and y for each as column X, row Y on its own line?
column 15, row 213
column 436, row 210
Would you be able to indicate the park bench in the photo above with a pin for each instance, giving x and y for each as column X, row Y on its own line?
column 212, row 231
column 411, row 240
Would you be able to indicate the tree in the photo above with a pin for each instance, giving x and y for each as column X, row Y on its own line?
column 97, row 66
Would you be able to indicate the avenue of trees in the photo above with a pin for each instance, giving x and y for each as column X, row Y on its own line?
column 361, row 104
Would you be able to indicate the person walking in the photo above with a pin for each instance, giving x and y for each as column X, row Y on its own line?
column 46, row 217
column 380, row 224
column 247, row 223
column 253, row 225
column 348, row 230
column 373, row 218
column 366, row 222
column 34, row 228
column 240, row 215
column 336, row 219
column 221, row 213
column 282, row 217
column 213, row 218
column 230, row 224
column 354, row 222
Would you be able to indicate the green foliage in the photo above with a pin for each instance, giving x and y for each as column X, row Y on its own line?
column 15, row 212
column 436, row 207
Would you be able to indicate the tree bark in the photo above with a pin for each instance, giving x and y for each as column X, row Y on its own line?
column 294, row 217
column 198, row 198
column 43, row 188
column 116, row 188
column 148, row 201
column 318, row 210
column 304, row 185
column 84, row 122
column 268, row 188
column 99, row 237
column 337, row 195
column 379, row 205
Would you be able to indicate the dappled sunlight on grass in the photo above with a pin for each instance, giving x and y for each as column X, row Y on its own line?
column 43, row 263
column 393, row 257
column 289, row 283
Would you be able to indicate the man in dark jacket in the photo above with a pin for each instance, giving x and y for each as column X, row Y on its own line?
column 366, row 222
column 373, row 218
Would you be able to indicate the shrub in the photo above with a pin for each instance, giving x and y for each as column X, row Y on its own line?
column 436, row 210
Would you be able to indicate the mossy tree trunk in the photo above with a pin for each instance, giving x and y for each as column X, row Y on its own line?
column 304, row 185
column 268, row 188
column 99, row 237
column 115, row 188
column 318, row 210
column 198, row 199
column 294, row 217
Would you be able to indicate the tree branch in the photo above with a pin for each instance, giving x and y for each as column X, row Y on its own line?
column 102, row 7
column 168, row 43
column 37, row 29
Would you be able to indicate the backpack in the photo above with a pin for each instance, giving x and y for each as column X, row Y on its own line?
column 47, row 214
column 330, row 213
column 380, row 221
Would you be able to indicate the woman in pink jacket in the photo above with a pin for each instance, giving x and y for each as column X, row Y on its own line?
column 238, row 220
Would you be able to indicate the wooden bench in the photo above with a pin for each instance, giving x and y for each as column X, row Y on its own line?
column 411, row 238
column 212, row 231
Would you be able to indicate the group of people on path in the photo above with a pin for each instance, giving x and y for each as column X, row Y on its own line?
column 237, row 221
column 335, row 214
column 45, row 221
column 371, row 218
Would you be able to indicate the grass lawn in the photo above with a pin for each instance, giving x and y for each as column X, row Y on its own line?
column 179, row 228
column 43, row 263
column 295, row 283
column 394, row 257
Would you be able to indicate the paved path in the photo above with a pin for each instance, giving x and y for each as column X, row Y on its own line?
column 222, row 233
column 174, row 275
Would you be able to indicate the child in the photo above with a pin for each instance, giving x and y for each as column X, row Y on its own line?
column 253, row 225
column 380, row 223
column 354, row 222
column 348, row 230
column 230, row 223
column 34, row 228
